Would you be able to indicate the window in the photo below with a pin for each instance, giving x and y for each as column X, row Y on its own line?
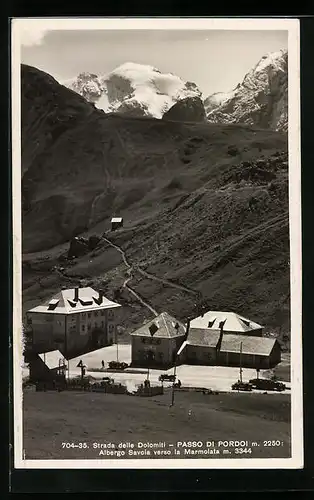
column 89, row 315
column 95, row 313
column 89, row 326
column 144, row 341
column 96, row 325
column 83, row 328
column 102, row 324
column 153, row 329
column 84, row 315
column 102, row 312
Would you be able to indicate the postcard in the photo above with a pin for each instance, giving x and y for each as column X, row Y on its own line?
column 157, row 243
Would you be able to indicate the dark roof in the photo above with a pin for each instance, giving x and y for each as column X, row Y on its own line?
column 203, row 337
column 166, row 327
column 250, row 345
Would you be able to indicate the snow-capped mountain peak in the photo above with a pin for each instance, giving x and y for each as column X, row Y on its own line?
column 261, row 99
column 134, row 88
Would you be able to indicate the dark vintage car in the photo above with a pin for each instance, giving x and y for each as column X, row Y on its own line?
column 107, row 380
column 267, row 384
column 167, row 378
column 117, row 365
column 242, row 386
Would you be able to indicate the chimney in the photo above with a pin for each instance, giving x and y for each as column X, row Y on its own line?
column 187, row 328
column 221, row 327
column 76, row 294
column 100, row 297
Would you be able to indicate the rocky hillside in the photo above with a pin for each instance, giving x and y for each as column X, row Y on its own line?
column 205, row 206
column 133, row 89
column 261, row 99
column 88, row 85
column 190, row 109
column 48, row 110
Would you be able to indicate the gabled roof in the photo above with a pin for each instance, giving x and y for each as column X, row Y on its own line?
column 52, row 359
column 203, row 337
column 232, row 322
column 166, row 326
column 64, row 302
column 250, row 345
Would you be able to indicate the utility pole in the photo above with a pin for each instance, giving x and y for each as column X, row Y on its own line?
column 241, row 362
column 174, row 380
column 117, row 345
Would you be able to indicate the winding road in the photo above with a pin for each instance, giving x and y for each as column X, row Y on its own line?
column 129, row 272
column 132, row 269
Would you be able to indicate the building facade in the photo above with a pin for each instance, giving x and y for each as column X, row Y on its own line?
column 73, row 321
column 197, row 346
column 249, row 352
column 202, row 347
column 157, row 342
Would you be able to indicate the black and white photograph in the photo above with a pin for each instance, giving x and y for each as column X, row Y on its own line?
column 157, row 243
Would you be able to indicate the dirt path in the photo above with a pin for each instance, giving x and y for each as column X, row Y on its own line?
column 147, row 275
column 129, row 272
column 166, row 282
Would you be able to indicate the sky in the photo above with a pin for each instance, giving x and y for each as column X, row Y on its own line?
column 216, row 60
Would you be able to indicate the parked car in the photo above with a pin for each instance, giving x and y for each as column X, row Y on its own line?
column 107, row 380
column 209, row 391
column 117, row 365
column 242, row 386
column 267, row 384
column 167, row 378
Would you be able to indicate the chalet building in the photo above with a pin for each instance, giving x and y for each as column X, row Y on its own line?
column 116, row 223
column 156, row 343
column 215, row 347
column 165, row 341
column 232, row 323
column 73, row 321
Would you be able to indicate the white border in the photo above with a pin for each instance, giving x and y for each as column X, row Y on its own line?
column 292, row 26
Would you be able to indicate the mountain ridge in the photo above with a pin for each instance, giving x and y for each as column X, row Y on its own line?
column 260, row 99
column 134, row 89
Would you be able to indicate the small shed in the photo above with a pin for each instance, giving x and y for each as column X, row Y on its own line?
column 116, row 223
column 47, row 366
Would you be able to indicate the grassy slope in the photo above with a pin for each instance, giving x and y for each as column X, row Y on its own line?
column 194, row 212
column 53, row 418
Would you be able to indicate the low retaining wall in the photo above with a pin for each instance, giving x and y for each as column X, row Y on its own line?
column 149, row 391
